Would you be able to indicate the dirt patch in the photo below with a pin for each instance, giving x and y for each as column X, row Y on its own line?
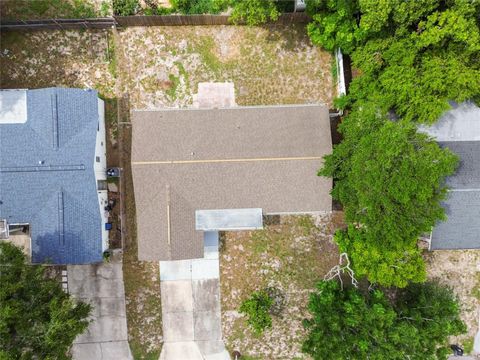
column 268, row 65
column 142, row 279
column 291, row 254
column 460, row 269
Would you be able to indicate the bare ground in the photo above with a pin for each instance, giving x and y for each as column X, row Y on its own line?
column 460, row 269
column 268, row 65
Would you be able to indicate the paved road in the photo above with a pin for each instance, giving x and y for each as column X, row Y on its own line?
column 102, row 286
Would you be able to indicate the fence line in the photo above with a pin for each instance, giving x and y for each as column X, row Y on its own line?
column 204, row 19
column 138, row 20
column 59, row 24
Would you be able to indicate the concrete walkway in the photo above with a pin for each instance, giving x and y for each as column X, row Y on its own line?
column 191, row 307
column 102, row 286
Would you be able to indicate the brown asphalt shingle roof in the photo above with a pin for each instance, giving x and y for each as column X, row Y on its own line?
column 245, row 157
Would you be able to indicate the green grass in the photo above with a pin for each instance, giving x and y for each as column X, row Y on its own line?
column 139, row 353
column 476, row 289
column 112, row 61
column 468, row 346
column 172, row 90
column 306, row 224
column 209, row 59
column 182, row 72
column 44, row 9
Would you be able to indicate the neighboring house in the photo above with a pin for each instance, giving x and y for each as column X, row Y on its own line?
column 459, row 130
column 53, row 174
column 197, row 171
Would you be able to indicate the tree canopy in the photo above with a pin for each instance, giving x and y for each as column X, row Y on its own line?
column 354, row 324
column 411, row 59
column 38, row 320
column 413, row 56
column 389, row 179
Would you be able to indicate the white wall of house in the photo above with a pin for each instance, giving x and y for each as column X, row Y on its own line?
column 100, row 167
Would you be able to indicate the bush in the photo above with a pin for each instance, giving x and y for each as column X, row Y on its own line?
column 125, row 7
column 257, row 308
column 191, row 7
column 254, row 12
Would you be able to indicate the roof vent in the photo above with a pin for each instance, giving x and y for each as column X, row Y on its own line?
column 3, row 229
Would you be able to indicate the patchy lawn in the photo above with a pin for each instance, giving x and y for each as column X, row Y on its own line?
column 460, row 269
column 268, row 65
column 48, row 9
column 70, row 58
column 291, row 254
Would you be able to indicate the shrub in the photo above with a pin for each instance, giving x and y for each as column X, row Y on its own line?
column 125, row 7
column 257, row 308
column 200, row 6
column 254, row 12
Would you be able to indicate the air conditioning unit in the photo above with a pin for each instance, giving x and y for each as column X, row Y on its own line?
column 3, row 229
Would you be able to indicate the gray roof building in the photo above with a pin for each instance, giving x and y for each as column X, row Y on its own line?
column 52, row 155
column 459, row 130
column 185, row 162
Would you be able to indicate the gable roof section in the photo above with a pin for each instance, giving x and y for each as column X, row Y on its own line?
column 47, row 175
column 245, row 157
column 459, row 131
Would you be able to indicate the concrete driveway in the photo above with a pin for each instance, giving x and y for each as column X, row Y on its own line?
column 102, row 286
column 191, row 307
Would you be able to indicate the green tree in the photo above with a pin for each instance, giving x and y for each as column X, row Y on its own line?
column 334, row 24
column 351, row 324
column 38, row 320
column 413, row 56
column 200, row 6
column 390, row 180
column 254, row 12
column 125, row 7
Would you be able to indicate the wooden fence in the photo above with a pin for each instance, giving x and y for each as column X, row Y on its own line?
column 58, row 24
column 179, row 20
column 138, row 20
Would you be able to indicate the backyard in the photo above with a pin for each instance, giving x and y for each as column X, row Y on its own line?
column 268, row 65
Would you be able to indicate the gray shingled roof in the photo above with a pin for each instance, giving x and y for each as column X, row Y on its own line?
column 58, row 197
column 459, row 130
column 246, row 157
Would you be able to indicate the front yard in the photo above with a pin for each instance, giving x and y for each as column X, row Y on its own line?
column 291, row 254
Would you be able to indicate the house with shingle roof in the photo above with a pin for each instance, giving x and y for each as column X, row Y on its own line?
column 53, row 174
column 459, row 131
column 198, row 171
